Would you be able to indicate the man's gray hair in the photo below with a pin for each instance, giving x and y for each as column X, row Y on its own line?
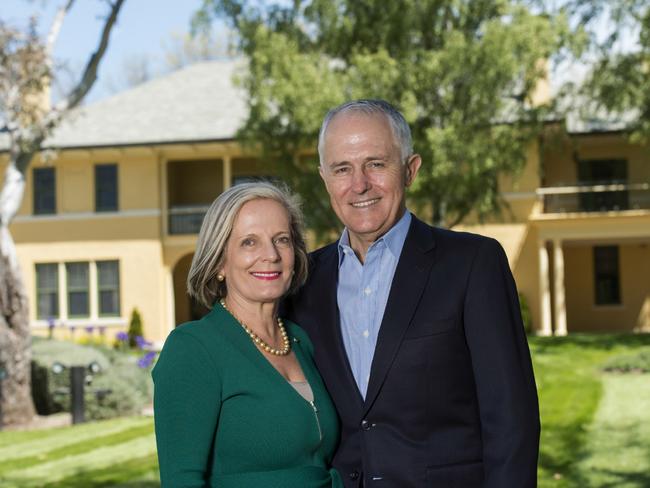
column 399, row 126
column 202, row 282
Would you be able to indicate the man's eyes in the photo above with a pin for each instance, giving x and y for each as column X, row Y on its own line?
column 345, row 170
column 341, row 170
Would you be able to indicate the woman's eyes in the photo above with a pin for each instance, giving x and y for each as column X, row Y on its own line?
column 283, row 240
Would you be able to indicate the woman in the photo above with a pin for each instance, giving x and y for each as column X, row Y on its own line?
column 238, row 401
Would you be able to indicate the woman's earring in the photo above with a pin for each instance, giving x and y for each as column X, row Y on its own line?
column 220, row 277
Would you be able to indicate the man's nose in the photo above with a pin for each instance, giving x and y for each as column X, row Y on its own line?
column 360, row 182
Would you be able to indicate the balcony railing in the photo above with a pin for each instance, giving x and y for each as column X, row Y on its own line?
column 595, row 198
column 186, row 219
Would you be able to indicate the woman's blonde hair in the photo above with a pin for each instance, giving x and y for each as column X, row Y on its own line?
column 209, row 257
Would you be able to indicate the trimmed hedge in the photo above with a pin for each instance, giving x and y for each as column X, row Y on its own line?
column 120, row 388
column 630, row 363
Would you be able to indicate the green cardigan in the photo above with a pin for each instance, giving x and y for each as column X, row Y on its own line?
column 226, row 418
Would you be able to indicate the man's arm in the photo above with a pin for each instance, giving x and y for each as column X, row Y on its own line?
column 503, row 371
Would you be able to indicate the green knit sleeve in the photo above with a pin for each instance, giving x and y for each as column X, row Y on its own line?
column 187, row 400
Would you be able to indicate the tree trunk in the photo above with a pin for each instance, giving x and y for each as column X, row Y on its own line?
column 15, row 340
column 16, row 404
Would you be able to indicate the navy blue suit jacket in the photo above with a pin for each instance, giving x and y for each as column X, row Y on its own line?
column 451, row 400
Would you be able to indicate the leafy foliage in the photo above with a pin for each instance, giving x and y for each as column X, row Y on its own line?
column 135, row 328
column 626, row 363
column 463, row 72
column 120, row 388
column 619, row 80
column 526, row 315
column 21, row 52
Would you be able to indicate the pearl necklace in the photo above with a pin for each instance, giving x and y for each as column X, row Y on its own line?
column 286, row 344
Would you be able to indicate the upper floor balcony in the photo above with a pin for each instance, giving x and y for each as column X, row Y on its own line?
column 606, row 196
column 186, row 219
column 192, row 185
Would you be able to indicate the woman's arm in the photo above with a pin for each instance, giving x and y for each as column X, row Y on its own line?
column 187, row 400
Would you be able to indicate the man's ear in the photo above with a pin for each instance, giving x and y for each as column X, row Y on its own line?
column 322, row 175
column 412, row 167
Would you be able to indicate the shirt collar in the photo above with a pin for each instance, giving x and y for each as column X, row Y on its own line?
column 393, row 239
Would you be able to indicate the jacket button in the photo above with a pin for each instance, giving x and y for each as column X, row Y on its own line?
column 365, row 425
column 354, row 475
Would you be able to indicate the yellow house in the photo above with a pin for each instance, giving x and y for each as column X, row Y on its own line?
column 577, row 234
column 110, row 215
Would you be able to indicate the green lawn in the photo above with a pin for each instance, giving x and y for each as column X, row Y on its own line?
column 582, row 408
column 113, row 453
column 595, row 429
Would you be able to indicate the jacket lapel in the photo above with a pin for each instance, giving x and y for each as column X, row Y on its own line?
column 409, row 281
column 331, row 357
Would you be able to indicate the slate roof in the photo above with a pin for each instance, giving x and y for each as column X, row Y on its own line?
column 197, row 103
column 201, row 103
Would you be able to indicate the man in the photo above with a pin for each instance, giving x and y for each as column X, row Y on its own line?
column 417, row 330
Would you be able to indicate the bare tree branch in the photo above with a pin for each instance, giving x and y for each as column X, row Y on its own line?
column 90, row 73
column 56, row 28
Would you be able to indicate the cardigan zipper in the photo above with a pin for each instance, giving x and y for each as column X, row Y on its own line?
column 320, row 432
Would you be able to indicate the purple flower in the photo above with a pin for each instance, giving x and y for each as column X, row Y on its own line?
column 51, row 323
column 122, row 336
column 141, row 342
column 147, row 360
column 89, row 329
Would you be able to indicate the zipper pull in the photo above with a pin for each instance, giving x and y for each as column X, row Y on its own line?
column 320, row 432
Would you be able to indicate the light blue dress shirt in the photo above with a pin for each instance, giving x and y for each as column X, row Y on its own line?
column 362, row 294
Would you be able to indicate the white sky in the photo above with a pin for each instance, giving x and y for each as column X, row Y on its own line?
column 143, row 26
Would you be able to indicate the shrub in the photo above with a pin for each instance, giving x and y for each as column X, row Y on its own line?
column 628, row 363
column 113, row 396
column 49, row 390
column 135, row 328
column 526, row 316
column 120, row 388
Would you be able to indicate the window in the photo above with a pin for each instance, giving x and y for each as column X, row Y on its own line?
column 603, row 172
column 77, row 278
column 47, row 291
column 44, row 191
column 108, row 288
column 607, row 279
column 106, row 187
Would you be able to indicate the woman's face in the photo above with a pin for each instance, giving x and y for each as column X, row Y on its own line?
column 259, row 255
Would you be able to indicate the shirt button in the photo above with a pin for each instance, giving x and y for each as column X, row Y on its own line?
column 354, row 475
column 365, row 425
column 366, row 334
column 367, row 291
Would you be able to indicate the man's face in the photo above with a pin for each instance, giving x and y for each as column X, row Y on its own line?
column 364, row 175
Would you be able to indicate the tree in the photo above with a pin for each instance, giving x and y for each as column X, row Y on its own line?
column 135, row 328
column 26, row 69
column 463, row 72
column 619, row 79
